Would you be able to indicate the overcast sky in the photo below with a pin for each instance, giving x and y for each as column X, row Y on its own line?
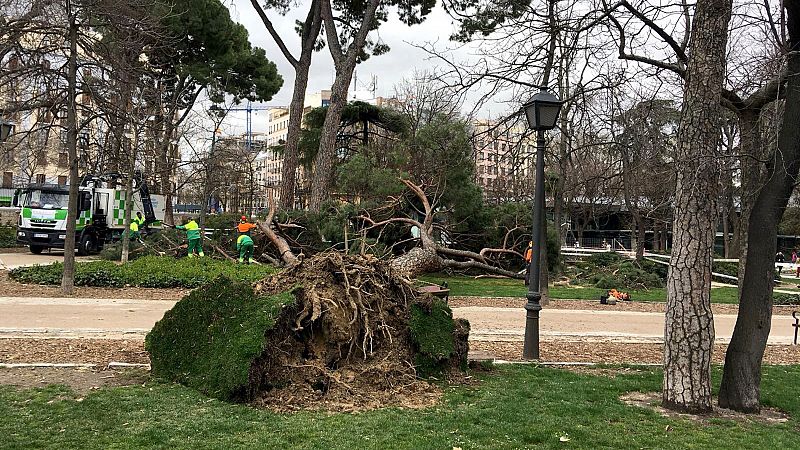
column 390, row 68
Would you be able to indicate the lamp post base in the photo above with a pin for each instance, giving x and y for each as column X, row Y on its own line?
column 531, row 348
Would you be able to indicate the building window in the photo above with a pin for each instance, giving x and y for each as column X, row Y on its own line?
column 62, row 180
column 63, row 159
column 41, row 157
column 8, row 179
column 40, row 178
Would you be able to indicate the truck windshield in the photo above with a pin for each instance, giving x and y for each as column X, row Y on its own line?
column 46, row 199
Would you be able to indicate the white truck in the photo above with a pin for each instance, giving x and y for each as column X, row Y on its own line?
column 42, row 220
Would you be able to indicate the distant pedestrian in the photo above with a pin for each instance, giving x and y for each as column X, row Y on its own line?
column 779, row 257
column 193, row 237
column 794, row 256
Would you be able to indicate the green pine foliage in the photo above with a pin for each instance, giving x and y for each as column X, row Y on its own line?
column 209, row 339
column 148, row 271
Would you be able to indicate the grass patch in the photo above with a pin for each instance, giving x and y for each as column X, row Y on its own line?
column 496, row 414
column 148, row 271
column 209, row 339
column 461, row 286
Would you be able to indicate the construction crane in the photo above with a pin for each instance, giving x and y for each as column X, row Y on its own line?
column 249, row 120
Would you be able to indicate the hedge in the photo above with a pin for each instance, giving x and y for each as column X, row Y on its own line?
column 148, row 271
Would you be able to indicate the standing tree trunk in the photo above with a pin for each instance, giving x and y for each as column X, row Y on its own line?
column 741, row 379
column 68, row 278
column 689, row 325
column 345, row 63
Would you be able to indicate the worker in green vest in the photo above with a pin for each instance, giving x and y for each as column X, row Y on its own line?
column 245, row 246
column 193, row 236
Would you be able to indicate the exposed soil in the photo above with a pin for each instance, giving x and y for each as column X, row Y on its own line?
column 346, row 343
column 11, row 288
column 80, row 380
column 506, row 302
column 617, row 353
column 81, row 351
column 652, row 401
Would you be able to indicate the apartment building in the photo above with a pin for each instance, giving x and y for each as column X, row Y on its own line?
column 505, row 158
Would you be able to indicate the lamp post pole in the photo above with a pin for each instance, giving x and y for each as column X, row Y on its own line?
column 534, row 296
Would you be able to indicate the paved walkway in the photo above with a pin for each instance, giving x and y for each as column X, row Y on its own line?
column 123, row 318
column 10, row 261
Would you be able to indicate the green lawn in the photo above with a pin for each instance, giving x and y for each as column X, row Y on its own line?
column 515, row 407
column 505, row 287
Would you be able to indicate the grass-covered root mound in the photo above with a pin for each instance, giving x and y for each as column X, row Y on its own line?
column 148, row 271
column 334, row 332
column 208, row 339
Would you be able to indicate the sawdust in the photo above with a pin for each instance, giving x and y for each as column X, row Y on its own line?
column 652, row 401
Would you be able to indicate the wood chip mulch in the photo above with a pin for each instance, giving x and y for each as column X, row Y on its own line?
column 11, row 288
column 616, row 353
column 508, row 302
column 81, row 351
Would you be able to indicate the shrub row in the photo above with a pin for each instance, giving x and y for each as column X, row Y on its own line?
column 612, row 270
column 148, row 271
column 8, row 237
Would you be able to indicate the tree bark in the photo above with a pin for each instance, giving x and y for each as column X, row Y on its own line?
column 290, row 156
column 345, row 64
column 68, row 277
column 689, row 325
column 741, row 380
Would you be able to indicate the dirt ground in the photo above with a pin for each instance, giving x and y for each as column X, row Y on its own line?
column 505, row 302
column 652, row 401
column 83, row 351
column 81, row 380
column 617, row 353
column 10, row 288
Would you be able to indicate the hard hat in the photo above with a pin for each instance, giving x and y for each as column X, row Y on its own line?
column 244, row 218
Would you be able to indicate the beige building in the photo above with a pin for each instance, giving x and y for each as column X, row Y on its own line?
column 504, row 160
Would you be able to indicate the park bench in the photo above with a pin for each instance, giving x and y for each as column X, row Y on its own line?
column 443, row 292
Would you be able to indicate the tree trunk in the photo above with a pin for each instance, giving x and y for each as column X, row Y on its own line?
column 689, row 325
column 741, row 379
column 127, row 213
column 290, row 155
column 68, row 277
column 751, row 157
column 416, row 262
column 640, row 238
column 326, row 157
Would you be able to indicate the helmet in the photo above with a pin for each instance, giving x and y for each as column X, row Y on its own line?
column 244, row 218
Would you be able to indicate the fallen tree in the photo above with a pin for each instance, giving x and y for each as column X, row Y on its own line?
column 433, row 256
column 331, row 330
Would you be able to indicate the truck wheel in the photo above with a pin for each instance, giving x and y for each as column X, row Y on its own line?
column 86, row 245
column 36, row 249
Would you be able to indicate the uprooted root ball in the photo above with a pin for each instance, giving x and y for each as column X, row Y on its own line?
column 353, row 336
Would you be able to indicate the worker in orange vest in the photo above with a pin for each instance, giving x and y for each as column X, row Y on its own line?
column 244, row 226
column 528, row 256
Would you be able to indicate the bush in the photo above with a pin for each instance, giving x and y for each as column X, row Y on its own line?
column 726, row 268
column 148, row 271
column 209, row 339
column 8, row 237
column 611, row 270
column 786, row 299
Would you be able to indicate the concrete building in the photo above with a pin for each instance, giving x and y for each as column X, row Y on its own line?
column 505, row 158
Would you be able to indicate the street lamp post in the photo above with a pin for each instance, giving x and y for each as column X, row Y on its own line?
column 542, row 113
